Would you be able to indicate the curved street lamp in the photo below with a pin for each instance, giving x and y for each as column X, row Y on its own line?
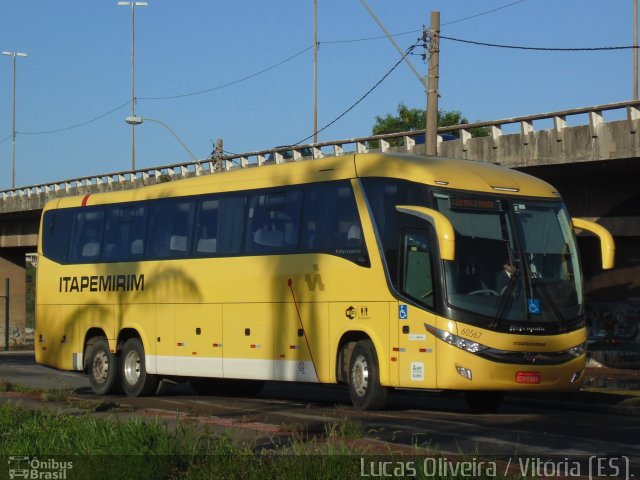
column 137, row 120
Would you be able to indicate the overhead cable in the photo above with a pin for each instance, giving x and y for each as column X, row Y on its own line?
column 355, row 40
column 483, row 13
column 78, row 124
column 540, row 49
column 408, row 51
column 164, row 98
column 234, row 82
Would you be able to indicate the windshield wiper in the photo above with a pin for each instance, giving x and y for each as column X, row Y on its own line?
column 504, row 298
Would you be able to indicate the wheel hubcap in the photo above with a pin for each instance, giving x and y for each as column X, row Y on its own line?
column 360, row 375
column 132, row 367
column 100, row 367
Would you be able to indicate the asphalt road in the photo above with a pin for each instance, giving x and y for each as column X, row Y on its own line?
column 440, row 422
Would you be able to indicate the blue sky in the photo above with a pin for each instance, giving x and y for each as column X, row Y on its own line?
column 79, row 69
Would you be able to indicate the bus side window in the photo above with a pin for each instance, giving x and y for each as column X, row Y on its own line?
column 273, row 222
column 417, row 272
column 206, row 241
column 170, row 228
column 124, row 233
column 86, row 239
column 331, row 223
column 56, row 234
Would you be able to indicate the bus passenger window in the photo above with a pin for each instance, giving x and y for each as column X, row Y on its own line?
column 170, row 228
column 124, row 233
column 331, row 223
column 56, row 234
column 206, row 227
column 87, row 236
column 273, row 222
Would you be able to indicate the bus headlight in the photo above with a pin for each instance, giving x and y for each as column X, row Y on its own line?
column 455, row 340
column 577, row 350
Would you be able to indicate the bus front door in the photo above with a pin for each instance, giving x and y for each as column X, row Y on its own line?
column 416, row 349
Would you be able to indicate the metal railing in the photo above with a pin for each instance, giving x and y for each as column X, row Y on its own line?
column 130, row 179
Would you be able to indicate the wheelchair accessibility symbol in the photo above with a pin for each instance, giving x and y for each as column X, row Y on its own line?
column 534, row 306
column 403, row 312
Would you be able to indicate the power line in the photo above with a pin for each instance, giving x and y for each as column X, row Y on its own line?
column 64, row 129
column 164, row 98
column 355, row 40
column 234, row 82
column 408, row 51
column 540, row 49
column 483, row 13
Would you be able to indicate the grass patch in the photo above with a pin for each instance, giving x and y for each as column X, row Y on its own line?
column 14, row 387
column 45, row 394
column 142, row 448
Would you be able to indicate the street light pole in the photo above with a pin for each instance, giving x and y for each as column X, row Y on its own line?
column 133, row 6
column 137, row 120
column 13, row 135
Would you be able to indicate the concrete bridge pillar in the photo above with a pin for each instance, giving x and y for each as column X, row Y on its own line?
column 13, row 267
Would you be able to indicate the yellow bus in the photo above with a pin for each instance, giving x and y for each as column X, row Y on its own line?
column 379, row 271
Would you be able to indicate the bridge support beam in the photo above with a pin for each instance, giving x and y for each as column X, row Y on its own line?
column 13, row 267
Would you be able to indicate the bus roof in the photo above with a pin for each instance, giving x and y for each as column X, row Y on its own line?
column 438, row 171
column 453, row 173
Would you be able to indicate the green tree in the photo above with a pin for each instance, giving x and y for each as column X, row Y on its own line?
column 408, row 119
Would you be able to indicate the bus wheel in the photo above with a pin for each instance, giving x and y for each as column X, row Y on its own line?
column 483, row 402
column 364, row 378
column 102, row 367
column 136, row 382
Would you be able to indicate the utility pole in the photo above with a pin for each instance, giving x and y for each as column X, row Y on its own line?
column 431, row 84
column 315, row 71
column 635, row 50
column 13, row 135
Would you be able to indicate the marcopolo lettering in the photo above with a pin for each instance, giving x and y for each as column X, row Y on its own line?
column 102, row 283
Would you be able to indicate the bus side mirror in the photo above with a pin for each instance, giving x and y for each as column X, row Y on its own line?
column 607, row 245
column 441, row 224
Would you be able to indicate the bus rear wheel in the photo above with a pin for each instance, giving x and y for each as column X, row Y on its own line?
column 365, row 389
column 102, row 367
column 136, row 382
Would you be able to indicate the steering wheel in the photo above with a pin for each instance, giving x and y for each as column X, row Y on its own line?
column 485, row 291
column 427, row 294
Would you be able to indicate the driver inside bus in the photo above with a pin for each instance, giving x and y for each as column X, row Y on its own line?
column 504, row 277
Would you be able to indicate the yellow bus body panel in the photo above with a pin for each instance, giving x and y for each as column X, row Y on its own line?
column 280, row 317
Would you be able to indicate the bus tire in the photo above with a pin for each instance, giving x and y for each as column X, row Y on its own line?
column 136, row 382
column 365, row 389
column 483, row 402
column 102, row 367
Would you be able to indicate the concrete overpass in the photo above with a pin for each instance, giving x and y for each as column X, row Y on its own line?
column 590, row 154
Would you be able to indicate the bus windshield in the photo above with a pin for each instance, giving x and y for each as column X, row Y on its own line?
column 516, row 261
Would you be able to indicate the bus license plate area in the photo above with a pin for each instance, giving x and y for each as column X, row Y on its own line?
column 531, row 378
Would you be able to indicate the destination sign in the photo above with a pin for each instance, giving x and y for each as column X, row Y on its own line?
column 470, row 203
